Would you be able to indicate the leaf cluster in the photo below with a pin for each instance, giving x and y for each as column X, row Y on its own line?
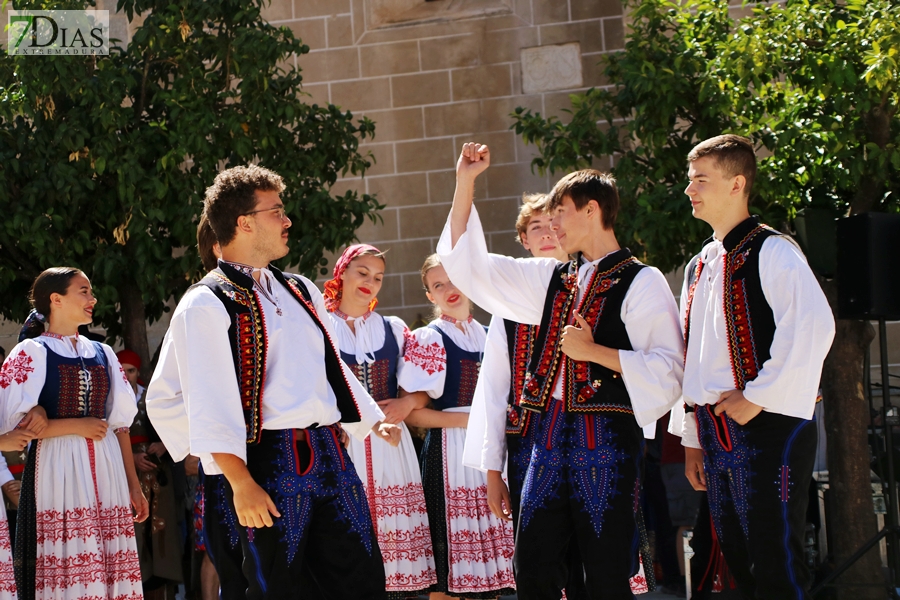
column 104, row 160
column 813, row 84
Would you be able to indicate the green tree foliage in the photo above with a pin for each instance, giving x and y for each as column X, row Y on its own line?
column 816, row 86
column 104, row 161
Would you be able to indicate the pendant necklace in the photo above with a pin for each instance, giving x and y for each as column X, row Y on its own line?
column 269, row 296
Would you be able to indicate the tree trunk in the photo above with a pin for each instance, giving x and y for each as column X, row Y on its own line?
column 134, row 324
column 852, row 519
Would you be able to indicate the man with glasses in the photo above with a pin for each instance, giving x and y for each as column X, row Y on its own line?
column 265, row 398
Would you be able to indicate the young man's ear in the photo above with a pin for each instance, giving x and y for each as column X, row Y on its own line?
column 739, row 186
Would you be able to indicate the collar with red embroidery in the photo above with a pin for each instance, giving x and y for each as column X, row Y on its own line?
column 58, row 336
column 450, row 319
column 339, row 313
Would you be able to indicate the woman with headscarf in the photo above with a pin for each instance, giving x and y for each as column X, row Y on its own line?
column 75, row 531
column 373, row 346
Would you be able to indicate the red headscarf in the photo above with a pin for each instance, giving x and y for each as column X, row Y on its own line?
column 334, row 288
column 129, row 357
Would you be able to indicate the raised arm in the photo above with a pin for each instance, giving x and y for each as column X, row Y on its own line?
column 473, row 160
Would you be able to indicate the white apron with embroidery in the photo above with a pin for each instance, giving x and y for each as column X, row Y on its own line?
column 480, row 544
column 7, row 576
column 393, row 486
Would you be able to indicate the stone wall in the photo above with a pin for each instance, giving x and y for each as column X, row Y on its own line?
column 433, row 75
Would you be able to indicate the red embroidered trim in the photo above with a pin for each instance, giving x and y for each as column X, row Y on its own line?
column 84, row 523
column 471, row 583
column 87, row 567
column 15, row 370
column 406, row 545
column 7, row 574
column 690, row 300
column 401, row 582
column 396, row 500
column 431, row 358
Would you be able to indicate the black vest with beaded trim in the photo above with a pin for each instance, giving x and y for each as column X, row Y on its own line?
column 748, row 317
column 587, row 387
column 520, row 340
column 247, row 336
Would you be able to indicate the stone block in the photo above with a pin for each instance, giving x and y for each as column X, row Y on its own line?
column 389, row 59
column 503, row 46
column 391, row 293
column 340, row 31
column 501, row 143
column 592, row 9
column 550, row 11
column 423, row 221
column 318, row 94
column 400, row 190
column 367, row 94
column 613, row 34
column 397, row 124
column 592, row 67
column 425, row 155
column 413, row 316
column 556, row 67
column 320, row 8
column 385, row 229
column 414, row 292
column 451, row 52
column 587, row 33
column 442, row 184
column 407, row 256
column 330, row 65
column 452, row 119
column 424, row 88
column 278, row 10
column 495, row 112
column 384, row 158
column 342, row 186
column 499, row 215
column 481, row 82
column 511, row 181
column 556, row 103
column 310, row 31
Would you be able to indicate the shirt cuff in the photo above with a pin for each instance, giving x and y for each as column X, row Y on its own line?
column 689, row 436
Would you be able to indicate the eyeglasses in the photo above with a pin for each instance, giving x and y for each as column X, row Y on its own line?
column 280, row 214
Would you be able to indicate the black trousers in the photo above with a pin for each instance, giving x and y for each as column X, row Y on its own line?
column 518, row 450
column 758, row 479
column 582, row 487
column 325, row 530
column 221, row 532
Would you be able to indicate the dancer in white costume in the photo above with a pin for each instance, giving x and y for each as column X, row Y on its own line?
column 75, row 531
column 372, row 346
column 473, row 548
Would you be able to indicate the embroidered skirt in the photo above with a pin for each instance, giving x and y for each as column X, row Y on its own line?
column 75, row 533
column 7, row 576
column 473, row 549
column 393, row 487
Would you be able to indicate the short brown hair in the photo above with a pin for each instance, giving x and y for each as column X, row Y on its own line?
column 733, row 154
column 532, row 206
column 584, row 186
column 206, row 239
column 233, row 194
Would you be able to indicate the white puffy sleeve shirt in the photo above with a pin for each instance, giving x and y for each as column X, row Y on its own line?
column 296, row 392
column 24, row 372
column 516, row 289
column 424, row 361
column 788, row 381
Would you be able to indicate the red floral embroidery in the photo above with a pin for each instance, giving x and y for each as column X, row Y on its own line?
column 431, row 358
column 15, row 369
column 7, row 576
column 84, row 523
column 87, row 567
column 401, row 582
column 124, row 376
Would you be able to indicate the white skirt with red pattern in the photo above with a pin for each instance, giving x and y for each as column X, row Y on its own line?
column 83, row 536
column 7, row 575
column 393, row 486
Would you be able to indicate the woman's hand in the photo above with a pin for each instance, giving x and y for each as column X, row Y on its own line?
column 16, row 440
column 92, row 428
column 138, row 502
column 397, row 409
column 157, row 448
column 35, row 420
column 11, row 490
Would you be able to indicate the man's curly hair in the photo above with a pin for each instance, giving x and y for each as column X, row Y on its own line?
column 233, row 194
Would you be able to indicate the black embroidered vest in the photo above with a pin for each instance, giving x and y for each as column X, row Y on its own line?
column 748, row 316
column 247, row 335
column 520, row 343
column 587, row 387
